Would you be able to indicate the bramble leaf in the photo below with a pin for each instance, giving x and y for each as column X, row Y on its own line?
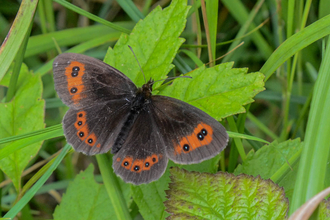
column 223, row 196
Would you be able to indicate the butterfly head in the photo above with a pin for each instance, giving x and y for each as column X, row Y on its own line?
column 147, row 88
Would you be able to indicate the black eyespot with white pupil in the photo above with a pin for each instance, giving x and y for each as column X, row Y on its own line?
column 79, row 123
column 136, row 168
column 146, row 164
column 75, row 68
column 186, row 147
column 73, row 90
column 75, row 71
column 200, row 136
column 204, row 132
column 74, row 74
column 126, row 163
column 90, row 140
column 81, row 134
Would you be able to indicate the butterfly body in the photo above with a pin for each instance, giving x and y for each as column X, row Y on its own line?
column 138, row 104
column 107, row 111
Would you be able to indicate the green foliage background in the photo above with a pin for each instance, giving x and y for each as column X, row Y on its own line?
column 284, row 99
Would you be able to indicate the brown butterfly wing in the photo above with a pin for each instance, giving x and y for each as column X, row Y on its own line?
column 82, row 81
column 99, row 97
column 93, row 130
column 190, row 135
column 142, row 157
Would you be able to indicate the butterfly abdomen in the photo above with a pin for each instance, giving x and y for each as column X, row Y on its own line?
column 139, row 104
column 124, row 132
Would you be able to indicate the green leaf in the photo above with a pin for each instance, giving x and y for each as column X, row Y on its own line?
column 150, row 198
column 155, row 41
column 209, row 166
column 85, row 199
column 266, row 161
column 25, row 113
column 91, row 16
column 194, row 195
column 220, row 91
column 296, row 43
column 269, row 159
column 69, row 37
column 51, row 166
column 27, row 139
column 212, row 8
column 112, row 186
column 315, row 155
column 15, row 36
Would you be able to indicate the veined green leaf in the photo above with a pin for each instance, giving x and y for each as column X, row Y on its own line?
column 223, row 196
column 269, row 160
column 155, row 41
column 220, row 91
column 25, row 113
column 86, row 199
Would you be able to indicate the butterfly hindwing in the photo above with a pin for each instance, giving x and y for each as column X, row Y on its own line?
column 190, row 135
column 83, row 81
column 93, row 130
column 142, row 157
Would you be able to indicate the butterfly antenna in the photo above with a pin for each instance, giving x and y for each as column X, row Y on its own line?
column 138, row 63
column 174, row 77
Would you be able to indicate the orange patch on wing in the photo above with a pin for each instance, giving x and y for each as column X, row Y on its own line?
column 137, row 164
column 127, row 160
column 140, row 163
column 98, row 145
column 83, row 127
column 84, row 131
column 81, row 119
column 78, row 89
column 148, row 161
column 91, row 139
column 154, row 159
column 75, row 81
column 78, row 97
column 193, row 141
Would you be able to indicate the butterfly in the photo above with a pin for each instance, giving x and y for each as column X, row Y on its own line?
column 143, row 131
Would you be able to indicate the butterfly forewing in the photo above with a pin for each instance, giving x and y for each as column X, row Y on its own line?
column 83, row 81
column 99, row 97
